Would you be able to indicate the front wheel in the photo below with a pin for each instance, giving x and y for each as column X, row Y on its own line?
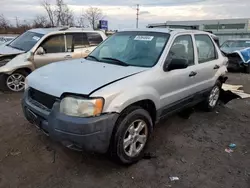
column 131, row 135
column 16, row 81
column 212, row 99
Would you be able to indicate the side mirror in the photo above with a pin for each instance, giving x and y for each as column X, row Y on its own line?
column 40, row 51
column 177, row 64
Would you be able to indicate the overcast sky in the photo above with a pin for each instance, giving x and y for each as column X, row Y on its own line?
column 122, row 14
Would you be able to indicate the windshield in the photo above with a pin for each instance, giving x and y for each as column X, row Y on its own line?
column 237, row 44
column 26, row 41
column 131, row 48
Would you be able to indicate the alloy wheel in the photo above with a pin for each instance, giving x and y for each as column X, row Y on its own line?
column 16, row 82
column 135, row 138
column 214, row 96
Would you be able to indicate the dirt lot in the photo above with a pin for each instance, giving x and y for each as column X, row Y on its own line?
column 193, row 150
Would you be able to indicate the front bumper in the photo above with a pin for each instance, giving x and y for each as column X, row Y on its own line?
column 91, row 134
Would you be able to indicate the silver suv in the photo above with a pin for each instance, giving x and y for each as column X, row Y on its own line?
column 38, row 47
column 112, row 100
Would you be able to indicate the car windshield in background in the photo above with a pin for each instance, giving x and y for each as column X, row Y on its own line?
column 237, row 44
column 131, row 48
column 26, row 41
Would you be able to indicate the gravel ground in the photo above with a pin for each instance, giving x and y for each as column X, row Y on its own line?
column 193, row 150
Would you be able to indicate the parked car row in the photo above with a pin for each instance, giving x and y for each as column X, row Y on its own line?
column 39, row 47
column 111, row 100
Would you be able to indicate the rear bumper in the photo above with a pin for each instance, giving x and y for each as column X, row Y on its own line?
column 91, row 134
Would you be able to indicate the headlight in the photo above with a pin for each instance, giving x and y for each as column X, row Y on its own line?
column 81, row 107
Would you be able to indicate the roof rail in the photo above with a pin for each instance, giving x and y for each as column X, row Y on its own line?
column 64, row 28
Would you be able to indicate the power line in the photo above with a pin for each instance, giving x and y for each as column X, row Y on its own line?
column 137, row 14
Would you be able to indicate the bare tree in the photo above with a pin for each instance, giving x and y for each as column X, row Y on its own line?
column 17, row 22
column 63, row 14
column 4, row 23
column 80, row 22
column 40, row 21
column 48, row 8
column 59, row 14
column 93, row 15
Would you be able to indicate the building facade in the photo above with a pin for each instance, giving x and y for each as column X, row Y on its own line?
column 224, row 28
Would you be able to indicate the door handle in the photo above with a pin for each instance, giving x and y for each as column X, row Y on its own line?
column 87, row 51
column 67, row 56
column 216, row 67
column 192, row 74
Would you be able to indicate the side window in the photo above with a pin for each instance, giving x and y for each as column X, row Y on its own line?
column 182, row 48
column 94, row 39
column 206, row 48
column 80, row 40
column 76, row 41
column 54, row 44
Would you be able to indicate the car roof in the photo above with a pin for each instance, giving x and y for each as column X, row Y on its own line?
column 45, row 31
column 167, row 30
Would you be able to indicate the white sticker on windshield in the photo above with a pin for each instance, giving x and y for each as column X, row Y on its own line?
column 36, row 38
column 247, row 41
column 144, row 38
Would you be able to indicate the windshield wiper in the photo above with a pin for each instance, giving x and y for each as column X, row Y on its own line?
column 91, row 56
column 119, row 62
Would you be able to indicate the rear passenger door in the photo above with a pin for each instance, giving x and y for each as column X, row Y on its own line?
column 208, row 62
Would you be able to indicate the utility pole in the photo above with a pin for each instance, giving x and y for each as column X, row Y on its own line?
column 137, row 15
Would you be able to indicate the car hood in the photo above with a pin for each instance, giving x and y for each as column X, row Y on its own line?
column 7, row 50
column 77, row 76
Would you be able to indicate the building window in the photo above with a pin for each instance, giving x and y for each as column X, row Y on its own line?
column 225, row 26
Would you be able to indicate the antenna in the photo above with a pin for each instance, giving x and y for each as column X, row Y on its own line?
column 137, row 15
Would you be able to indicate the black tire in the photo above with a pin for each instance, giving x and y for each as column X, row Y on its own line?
column 127, row 117
column 5, row 78
column 206, row 104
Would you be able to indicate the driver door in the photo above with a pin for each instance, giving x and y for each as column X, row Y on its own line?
column 54, row 50
column 176, row 87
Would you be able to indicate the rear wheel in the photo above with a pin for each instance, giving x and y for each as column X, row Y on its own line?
column 131, row 135
column 212, row 99
column 16, row 81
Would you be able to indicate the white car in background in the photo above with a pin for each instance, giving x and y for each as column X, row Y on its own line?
column 38, row 47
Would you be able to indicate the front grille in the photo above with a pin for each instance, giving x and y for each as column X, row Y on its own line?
column 38, row 97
